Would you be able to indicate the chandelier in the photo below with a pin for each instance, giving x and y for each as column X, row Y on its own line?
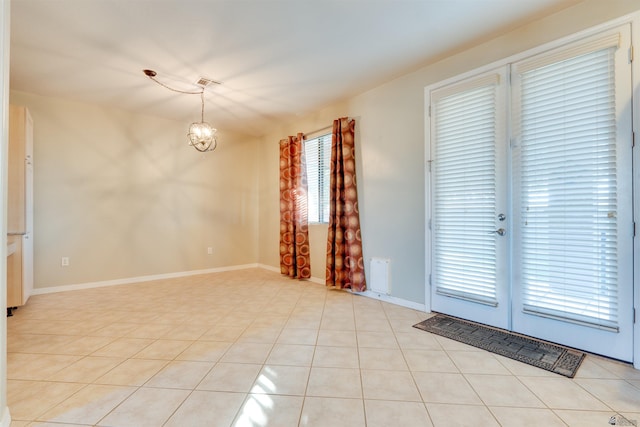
column 201, row 135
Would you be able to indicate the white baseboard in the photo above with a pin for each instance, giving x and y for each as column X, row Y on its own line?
column 6, row 418
column 269, row 267
column 393, row 300
column 368, row 294
column 318, row 280
column 277, row 270
column 75, row 287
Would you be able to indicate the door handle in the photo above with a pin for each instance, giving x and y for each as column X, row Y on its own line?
column 499, row 232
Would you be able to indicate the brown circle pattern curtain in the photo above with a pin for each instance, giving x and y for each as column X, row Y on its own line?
column 294, row 226
column 345, row 262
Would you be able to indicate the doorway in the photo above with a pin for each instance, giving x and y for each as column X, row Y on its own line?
column 531, row 216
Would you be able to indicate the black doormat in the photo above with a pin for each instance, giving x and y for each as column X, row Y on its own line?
column 551, row 357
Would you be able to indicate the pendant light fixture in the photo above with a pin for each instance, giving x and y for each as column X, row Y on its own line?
column 201, row 135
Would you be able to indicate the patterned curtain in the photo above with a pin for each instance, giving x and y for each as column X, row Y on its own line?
column 345, row 263
column 294, row 227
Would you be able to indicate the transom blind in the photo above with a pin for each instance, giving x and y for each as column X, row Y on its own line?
column 568, row 185
column 318, row 161
column 465, row 187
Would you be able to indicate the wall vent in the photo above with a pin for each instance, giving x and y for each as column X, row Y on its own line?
column 379, row 276
column 205, row 82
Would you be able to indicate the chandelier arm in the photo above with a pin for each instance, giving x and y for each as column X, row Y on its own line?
column 202, row 149
column 172, row 89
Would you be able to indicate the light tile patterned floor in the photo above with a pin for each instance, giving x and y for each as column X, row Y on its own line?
column 250, row 348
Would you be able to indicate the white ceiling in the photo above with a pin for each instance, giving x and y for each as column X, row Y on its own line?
column 277, row 59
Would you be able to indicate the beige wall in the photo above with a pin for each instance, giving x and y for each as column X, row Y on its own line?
column 124, row 196
column 390, row 146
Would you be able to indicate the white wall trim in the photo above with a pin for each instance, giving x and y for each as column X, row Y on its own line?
column 393, row 300
column 268, row 267
column 6, row 418
column 635, row 25
column 318, row 280
column 277, row 270
column 129, row 280
column 369, row 294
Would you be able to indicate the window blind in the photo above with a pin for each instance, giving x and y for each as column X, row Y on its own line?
column 568, row 185
column 464, row 192
column 318, row 162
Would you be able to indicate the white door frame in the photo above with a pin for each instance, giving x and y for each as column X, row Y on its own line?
column 634, row 20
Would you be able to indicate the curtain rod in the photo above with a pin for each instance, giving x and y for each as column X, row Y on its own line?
column 321, row 129
column 318, row 130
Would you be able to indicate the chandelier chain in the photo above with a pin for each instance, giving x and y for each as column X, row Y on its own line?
column 200, row 92
column 202, row 106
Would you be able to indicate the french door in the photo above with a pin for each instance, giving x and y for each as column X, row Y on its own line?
column 469, row 210
column 531, row 196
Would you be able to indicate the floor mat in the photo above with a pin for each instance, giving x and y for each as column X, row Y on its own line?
column 542, row 354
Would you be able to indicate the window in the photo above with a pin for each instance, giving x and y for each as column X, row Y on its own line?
column 318, row 159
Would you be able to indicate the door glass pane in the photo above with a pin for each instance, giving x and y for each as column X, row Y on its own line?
column 465, row 194
column 568, row 204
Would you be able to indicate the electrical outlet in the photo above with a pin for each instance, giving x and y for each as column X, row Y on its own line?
column 64, row 261
column 210, row 250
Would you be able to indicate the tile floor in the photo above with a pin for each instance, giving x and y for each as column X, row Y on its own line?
column 250, row 348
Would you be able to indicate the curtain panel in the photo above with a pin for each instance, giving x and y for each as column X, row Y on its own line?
column 294, row 226
column 345, row 262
